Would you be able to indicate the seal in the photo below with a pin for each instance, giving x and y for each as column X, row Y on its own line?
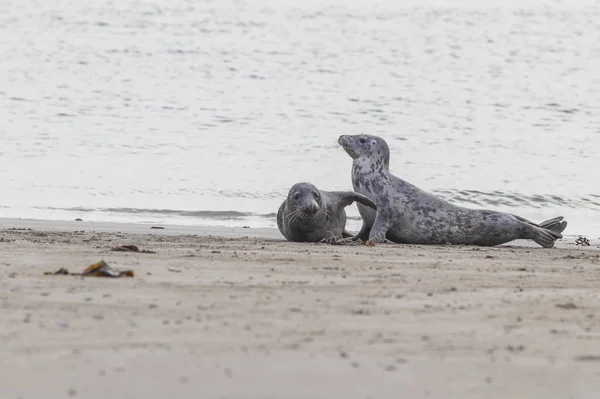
column 311, row 215
column 407, row 214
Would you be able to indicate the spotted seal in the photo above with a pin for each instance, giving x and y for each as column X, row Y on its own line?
column 311, row 215
column 407, row 214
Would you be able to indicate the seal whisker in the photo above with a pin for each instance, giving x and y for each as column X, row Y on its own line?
column 322, row 215
column 294, row 215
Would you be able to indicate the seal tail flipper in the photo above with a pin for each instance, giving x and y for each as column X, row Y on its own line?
column 545, row 237
column 545, row 233
column 346, row 234
column 557, row 224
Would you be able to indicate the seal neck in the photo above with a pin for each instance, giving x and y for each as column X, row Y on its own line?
column 370, row 164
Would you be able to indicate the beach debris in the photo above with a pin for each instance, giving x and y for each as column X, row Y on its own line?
column 515, row 348
column 172, row 269
column 62, row 270
column 245, row 227
column 79, row 220
column 582, row 241
column 99, row 269
column 131, row 248
column 368, row 243
column 588, row 358
column 157, row 228
column 568, row 305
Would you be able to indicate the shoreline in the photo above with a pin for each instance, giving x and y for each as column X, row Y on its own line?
column 139, row 228
column 273, row 233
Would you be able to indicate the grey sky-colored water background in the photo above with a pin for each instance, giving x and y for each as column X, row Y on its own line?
column 206, row 112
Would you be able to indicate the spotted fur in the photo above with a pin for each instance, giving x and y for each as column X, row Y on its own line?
column 407, row 214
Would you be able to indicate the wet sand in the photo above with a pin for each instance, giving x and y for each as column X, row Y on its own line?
column 240, row 313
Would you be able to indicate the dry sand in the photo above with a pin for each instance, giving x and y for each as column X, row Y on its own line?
column 257, row 317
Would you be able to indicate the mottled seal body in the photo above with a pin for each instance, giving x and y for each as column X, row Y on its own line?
column 407, row 214
column 311, row 215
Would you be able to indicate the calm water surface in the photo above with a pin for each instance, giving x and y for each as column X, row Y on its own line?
column 206, row 112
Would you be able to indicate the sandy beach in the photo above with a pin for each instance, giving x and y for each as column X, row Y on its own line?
column 240, row 313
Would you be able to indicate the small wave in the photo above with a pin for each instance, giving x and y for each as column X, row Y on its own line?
column 473, row 198
column 509, row 199
column 218, row 215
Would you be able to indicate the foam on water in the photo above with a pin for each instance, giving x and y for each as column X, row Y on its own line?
column 206, row 109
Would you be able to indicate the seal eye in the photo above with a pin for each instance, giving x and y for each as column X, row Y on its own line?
column 363, row 140
column 316, row 195
column 296, row 196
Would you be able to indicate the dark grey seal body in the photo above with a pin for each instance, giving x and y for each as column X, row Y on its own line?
column 311, row 215
column 407, row 214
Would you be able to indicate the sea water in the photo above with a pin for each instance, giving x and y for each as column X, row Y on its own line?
column 207, row 112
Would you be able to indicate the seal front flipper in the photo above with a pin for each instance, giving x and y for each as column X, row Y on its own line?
column 336, row 240
column 380, row 228
column 348, row 197
column 346, row 234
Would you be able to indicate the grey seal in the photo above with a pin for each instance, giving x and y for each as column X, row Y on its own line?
column 407, row 214
column 312, row 215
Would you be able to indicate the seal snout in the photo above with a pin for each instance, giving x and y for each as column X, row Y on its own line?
column 346, row 142
column 309, row 207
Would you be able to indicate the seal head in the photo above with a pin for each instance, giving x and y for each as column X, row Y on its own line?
column 366, row 147
column 306, row 199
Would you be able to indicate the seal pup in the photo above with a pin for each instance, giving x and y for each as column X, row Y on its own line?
column 311, row 215
column 407, row 214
